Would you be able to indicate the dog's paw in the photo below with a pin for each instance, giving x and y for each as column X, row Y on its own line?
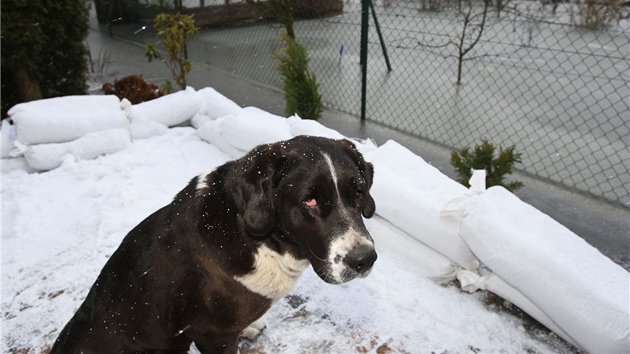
column 253, row 330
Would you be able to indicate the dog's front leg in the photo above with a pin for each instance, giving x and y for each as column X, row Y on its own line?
column 218, row 344
column 253, row 330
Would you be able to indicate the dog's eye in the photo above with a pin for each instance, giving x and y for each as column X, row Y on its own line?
column 311, row 202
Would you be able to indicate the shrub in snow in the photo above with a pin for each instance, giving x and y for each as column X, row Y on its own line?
column 300, row 85
column 133, row 88
column 483, row 158
column 175, row 31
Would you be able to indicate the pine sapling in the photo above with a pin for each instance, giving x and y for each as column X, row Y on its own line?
column 300, row 84
column 483, row 158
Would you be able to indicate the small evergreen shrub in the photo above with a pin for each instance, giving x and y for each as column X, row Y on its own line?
column 483, row 158
column 174, row 31
column 300, row 84
column 43, row 54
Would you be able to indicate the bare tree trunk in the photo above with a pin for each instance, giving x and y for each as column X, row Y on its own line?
column 28, row 88
column 463, row 49
column 282, row 9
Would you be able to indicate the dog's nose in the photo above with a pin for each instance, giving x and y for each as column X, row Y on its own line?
column 361, row 258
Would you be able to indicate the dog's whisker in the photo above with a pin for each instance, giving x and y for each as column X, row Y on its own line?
column 313, row 253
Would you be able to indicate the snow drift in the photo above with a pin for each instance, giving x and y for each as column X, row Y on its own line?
column 488, row 239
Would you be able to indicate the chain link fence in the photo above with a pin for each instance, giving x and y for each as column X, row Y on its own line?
column 550, row 77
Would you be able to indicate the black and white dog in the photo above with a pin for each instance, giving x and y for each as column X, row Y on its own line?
column 234, row 241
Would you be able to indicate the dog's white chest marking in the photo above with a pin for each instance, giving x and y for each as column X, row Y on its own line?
column 274, row 274
column 201, row 180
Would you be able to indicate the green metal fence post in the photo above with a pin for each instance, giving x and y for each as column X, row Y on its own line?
column 365, row 18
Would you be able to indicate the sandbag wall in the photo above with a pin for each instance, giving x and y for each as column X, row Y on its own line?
column 495, row 241
column 487, row 239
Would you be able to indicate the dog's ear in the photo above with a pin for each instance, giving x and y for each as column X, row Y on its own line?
column 366, row 170
column 369, row 205
column 250, row 185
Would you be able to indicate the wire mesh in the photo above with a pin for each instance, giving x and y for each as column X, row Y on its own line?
column 549, row 77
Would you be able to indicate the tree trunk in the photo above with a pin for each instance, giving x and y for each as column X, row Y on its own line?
column 28, row 89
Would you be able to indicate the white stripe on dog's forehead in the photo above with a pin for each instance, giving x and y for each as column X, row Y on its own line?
column 333, row 172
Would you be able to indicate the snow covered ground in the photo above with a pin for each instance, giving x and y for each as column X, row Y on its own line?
column 59, row 228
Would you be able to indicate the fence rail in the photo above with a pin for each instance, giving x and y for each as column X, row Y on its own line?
column 542, row 77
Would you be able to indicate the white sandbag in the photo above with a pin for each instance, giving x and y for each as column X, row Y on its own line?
column 410, row 194
column 63, row 119
column 212, row 132
column 146, row 129
column 89, row 146
column 500, row 287
column 313, row 128
column 199, row 119
column 425, row 260
column 582, row 291
column 170, row 110
column 216, row 105
column 253, row 127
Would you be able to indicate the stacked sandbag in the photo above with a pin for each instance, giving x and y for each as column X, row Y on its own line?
column 410, row 193
column 46, row 157
column 170, row 110
column 545, row 267
column 215, row 106
column 52, row 130
column 63, row 119
column 236, row 134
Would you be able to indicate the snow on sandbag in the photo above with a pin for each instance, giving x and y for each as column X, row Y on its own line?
column 301, row 126
column 582, row 291
column 199, row 119
column 410, row 194
column 253, row 127
column 91, row 145
column 63, row 119
column 212, row 132
column 216, row 105
column 170, row 110
column 144, row 130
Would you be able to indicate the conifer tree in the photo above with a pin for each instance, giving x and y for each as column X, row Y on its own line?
column 43, row 51
column 300, row 84
column 482, row 157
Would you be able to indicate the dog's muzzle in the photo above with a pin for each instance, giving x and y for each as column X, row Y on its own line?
column 350, row 256
column 360, row 259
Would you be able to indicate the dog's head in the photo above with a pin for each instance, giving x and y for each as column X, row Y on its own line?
column 313, row 193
